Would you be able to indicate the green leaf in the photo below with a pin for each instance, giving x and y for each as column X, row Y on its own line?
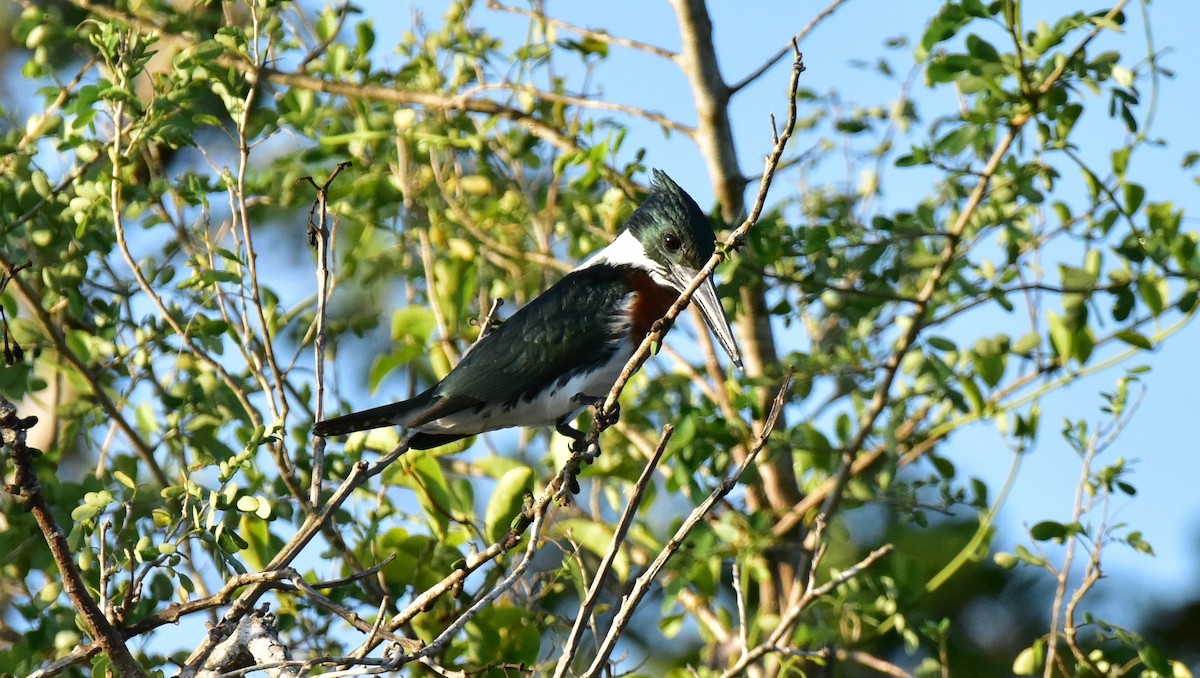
column 941, row 343
column 387, row 363
column 1061, row 336
column 596, row 537
column 1152, row 657
column 948, row 68
column 507, row 501
column 972, row 393
column 427, row 480
column 1083, row 342
column 1153, row 293
column 671, row 625
column 981, row 49
column 1028, row 557
column 1134, row 196
column 1026, row 344
column 1027, row 662
column 1047, row 530
column 1135, row 339
column 1005, row 560
column 1077, row 279
column 414, row 322
column 943, row 27
column 84, row 512
column 261, row 545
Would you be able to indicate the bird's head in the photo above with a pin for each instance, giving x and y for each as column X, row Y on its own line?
column 671, row 238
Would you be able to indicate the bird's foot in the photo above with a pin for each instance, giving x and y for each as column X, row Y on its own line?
column 603, row 420
column 586, row 451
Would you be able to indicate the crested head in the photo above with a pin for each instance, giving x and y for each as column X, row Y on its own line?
column 669, row 238
column 667, row 232
column 670, row 225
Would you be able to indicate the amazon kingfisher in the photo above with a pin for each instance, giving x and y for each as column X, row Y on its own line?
column 565, row 349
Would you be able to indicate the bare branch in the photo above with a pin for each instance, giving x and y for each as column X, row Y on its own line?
column 580, row 101
column 257, row 639
column 601, row 36
column 319, row 237
column 593, row 593
column 783, row 51
column 646, row 579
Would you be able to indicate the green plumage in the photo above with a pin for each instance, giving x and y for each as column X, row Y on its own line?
column 566, row 329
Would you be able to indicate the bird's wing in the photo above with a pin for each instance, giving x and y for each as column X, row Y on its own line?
column 567, row 328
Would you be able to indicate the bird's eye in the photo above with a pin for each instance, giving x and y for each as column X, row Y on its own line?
column 672, row 242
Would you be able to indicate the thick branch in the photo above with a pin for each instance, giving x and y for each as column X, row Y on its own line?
column 714, row 133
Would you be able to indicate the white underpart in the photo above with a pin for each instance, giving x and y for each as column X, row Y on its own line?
column 550, row 405
column 626, row 249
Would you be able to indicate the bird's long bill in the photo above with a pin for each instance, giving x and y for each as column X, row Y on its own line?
column 710, row 307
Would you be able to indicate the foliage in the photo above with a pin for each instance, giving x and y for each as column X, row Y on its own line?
column 167, row 323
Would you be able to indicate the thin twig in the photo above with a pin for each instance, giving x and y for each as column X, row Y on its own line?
column 600, row 36
column 775, row 642
column 643, row 583
column 571, row 646
column 436, row 646
column 774, row 59
column 313, row 523
column 740, row 598
column 281, row 408
column 319, row 236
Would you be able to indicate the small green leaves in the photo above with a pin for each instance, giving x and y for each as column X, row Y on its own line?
column 1154, row 293
column 259, row 506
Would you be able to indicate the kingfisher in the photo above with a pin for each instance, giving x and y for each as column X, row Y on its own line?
column 563, row 351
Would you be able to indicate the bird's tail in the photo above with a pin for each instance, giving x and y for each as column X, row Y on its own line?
column 395, row 414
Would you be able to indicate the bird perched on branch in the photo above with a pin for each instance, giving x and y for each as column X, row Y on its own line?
column 565, row 349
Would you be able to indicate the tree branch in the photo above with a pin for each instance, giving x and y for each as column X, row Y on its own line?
column 642, row 585
column 600, row 36
column 26, row 486
column 770, row 62
column 571, row 645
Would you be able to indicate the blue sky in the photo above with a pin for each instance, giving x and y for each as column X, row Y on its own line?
column 1159, row 439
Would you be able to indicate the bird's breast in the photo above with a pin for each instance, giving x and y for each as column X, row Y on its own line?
column 649, row 302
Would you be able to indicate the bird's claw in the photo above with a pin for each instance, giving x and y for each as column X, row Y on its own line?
column 603, row 419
